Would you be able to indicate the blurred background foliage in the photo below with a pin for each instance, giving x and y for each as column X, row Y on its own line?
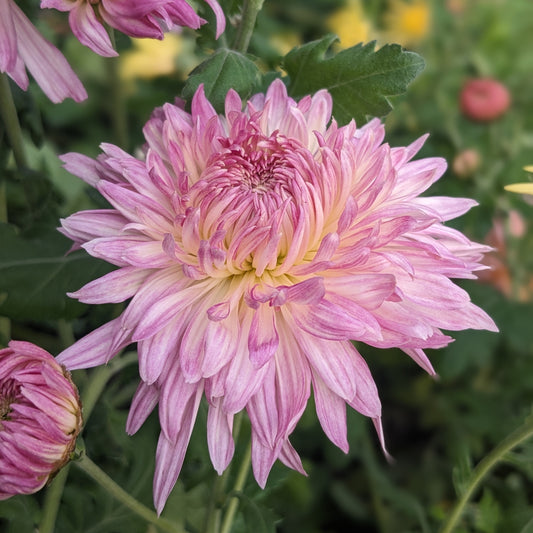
column 436, row 429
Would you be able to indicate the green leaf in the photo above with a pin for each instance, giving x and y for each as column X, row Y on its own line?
column 224, row 70
column 36, row 274
column 359, row 79
column 256, row 516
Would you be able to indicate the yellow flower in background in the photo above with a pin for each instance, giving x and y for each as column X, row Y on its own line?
column 522, row 188
column 407, row 22
column 150, row 58
column 285, row 42
column 351, row 24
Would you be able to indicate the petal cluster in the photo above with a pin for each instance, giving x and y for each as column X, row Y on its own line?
column 40, row 418
column 253, row 247
column 22, row 46
column 136, row 18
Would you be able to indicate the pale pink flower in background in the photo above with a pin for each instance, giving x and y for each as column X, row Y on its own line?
column 255, row 246
column 136, row 18
column 40, row 418
column 22, row 46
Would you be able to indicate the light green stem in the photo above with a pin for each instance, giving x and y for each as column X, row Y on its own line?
column 250, row 11
column 517, row 437
column 52, row 500
column 98, row 381
column 124, row 497
column 9, row 116
column 5, row 323
column 239, row 485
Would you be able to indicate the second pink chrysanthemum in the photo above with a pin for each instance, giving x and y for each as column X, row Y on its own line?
column 255, row 246
column 136, row 18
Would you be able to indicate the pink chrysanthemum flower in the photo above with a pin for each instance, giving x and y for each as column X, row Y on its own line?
column 21, row 46
column 40, row 418
column 136, row 18
column 255, row 246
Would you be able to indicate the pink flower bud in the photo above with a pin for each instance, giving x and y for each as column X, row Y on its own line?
column 484, row 99
column 40, row 418
column 466, row 162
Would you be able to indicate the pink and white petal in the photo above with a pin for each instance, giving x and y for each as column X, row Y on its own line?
column 263, row 339
column 115, row 287
column 8, row 38
column 333, row 361
column 219, row 15
column 94, row 349
column 262, row 410
column 84, row 226
column 289, row 457
column 45, row 62
column 89, row 31
column 176, row 396
column 219, row 436
column 263, row 458
column 331, row 412
column 155, row 352
column 170, row 455
column 366, row 399
column 143, row 403
column 82, row 166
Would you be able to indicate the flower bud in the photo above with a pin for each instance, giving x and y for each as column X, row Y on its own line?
column 40, row 418
column 466, row 162
column 484, row 99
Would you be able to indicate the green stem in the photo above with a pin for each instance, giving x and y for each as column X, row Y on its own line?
column 52, row 500
column 98, row 381
column 117, row 100
column 98, row 475
column 518, row 436
column 5, row 323
column 239, row 485
column 250, row 11
column 9, row 116
column 213, row 515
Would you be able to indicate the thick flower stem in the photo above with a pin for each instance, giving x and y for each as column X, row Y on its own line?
column 52, row 501
column 98, row 380
column 98, row 475
column 9, row 116
column 250, row 11
column 517, row 437
column 117, row 103
column 239, row 485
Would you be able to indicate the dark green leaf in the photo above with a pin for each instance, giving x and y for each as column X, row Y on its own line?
column 224, row 70
column 360, row 79
column 36, row 274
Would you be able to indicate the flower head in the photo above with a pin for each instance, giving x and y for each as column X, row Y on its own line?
column 21, row 46
column 136, row 18
column 40, row 418
column 254, row 246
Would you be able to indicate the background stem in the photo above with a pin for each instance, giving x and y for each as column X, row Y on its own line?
column 250, row 11
column 518, row 436
column 98, row 475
